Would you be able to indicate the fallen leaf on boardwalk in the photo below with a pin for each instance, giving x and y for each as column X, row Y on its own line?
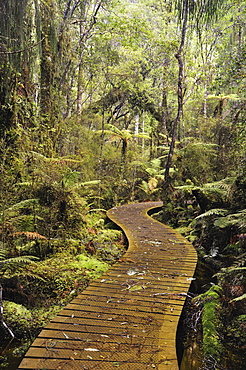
column 174, row 241
column 131, row 272
column 134, row 288
column 167, row 363
column 116, row 364
column 126, row 260
column 91, row 349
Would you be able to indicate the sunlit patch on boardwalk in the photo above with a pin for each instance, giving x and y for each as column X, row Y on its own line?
column 127, row 318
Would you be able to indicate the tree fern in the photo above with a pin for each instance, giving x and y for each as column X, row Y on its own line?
column 218, row 189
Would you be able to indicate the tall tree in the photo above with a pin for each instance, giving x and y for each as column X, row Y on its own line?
column 190, row 11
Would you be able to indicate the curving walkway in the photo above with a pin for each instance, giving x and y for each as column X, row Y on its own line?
column 127, row 319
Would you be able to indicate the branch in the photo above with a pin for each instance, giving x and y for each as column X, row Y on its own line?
column 21, row 51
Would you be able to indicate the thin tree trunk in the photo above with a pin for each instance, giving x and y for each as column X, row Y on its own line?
column 179, row 56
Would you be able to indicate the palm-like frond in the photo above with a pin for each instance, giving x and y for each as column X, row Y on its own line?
column 58, row 160
column 218, row 189
column 238, row 219
column 242, row 297
column 200, row 11
column 19, row 260
column 213, row 212
column 117, row 134
column 224, row 184
column 22, row 204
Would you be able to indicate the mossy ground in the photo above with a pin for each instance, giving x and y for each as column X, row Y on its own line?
column 33, row 297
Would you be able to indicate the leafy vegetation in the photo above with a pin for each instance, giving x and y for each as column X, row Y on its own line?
column 103, row 102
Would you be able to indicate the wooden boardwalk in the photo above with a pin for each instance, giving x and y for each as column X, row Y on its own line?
column 127, row 319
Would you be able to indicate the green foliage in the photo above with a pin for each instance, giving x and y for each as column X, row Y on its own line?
column 211, row 303
column 72, row 95
column 195, row 162
column 93, row 267
column 213, row 212
column 58, row 279
column 17, row 316
column 234, row 219
column 13, row 266
column 236, row 333
column 25, row 322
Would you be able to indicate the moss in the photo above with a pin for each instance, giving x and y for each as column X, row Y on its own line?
column 27, row 323
column 93, row 267
column 211, row 304
column 17, row 317
column 65, row 275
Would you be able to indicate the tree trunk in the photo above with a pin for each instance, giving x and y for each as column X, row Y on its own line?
column 179, row 56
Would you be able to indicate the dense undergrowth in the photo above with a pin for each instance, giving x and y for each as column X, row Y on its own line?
column 35, row 290
column 213, row 218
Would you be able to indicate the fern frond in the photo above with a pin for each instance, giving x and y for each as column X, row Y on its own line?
column 18, row 260
column 217, row 189
column 30, row 235
column 224, row 184
column 2, row 253
column 86, row 183
column 22, row 204
column 113, row 128
column 213, row 212
column 141, row 136
column 38, row 155
column 238, row 298
column 28, row 273
column 238, row 219
column 187, row 187
column 58, row 160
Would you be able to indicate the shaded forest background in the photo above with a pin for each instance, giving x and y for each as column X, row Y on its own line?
column 104, row 102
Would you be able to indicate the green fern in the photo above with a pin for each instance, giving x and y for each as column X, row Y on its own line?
column 14, row 261
column 238, row 219
column 13, row 210
column 221, row 276
column 218, row 189
column 86, row 183
column 238, row 298
column 213, row 212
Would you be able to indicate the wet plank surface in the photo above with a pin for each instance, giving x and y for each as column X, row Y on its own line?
column 127, row 319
